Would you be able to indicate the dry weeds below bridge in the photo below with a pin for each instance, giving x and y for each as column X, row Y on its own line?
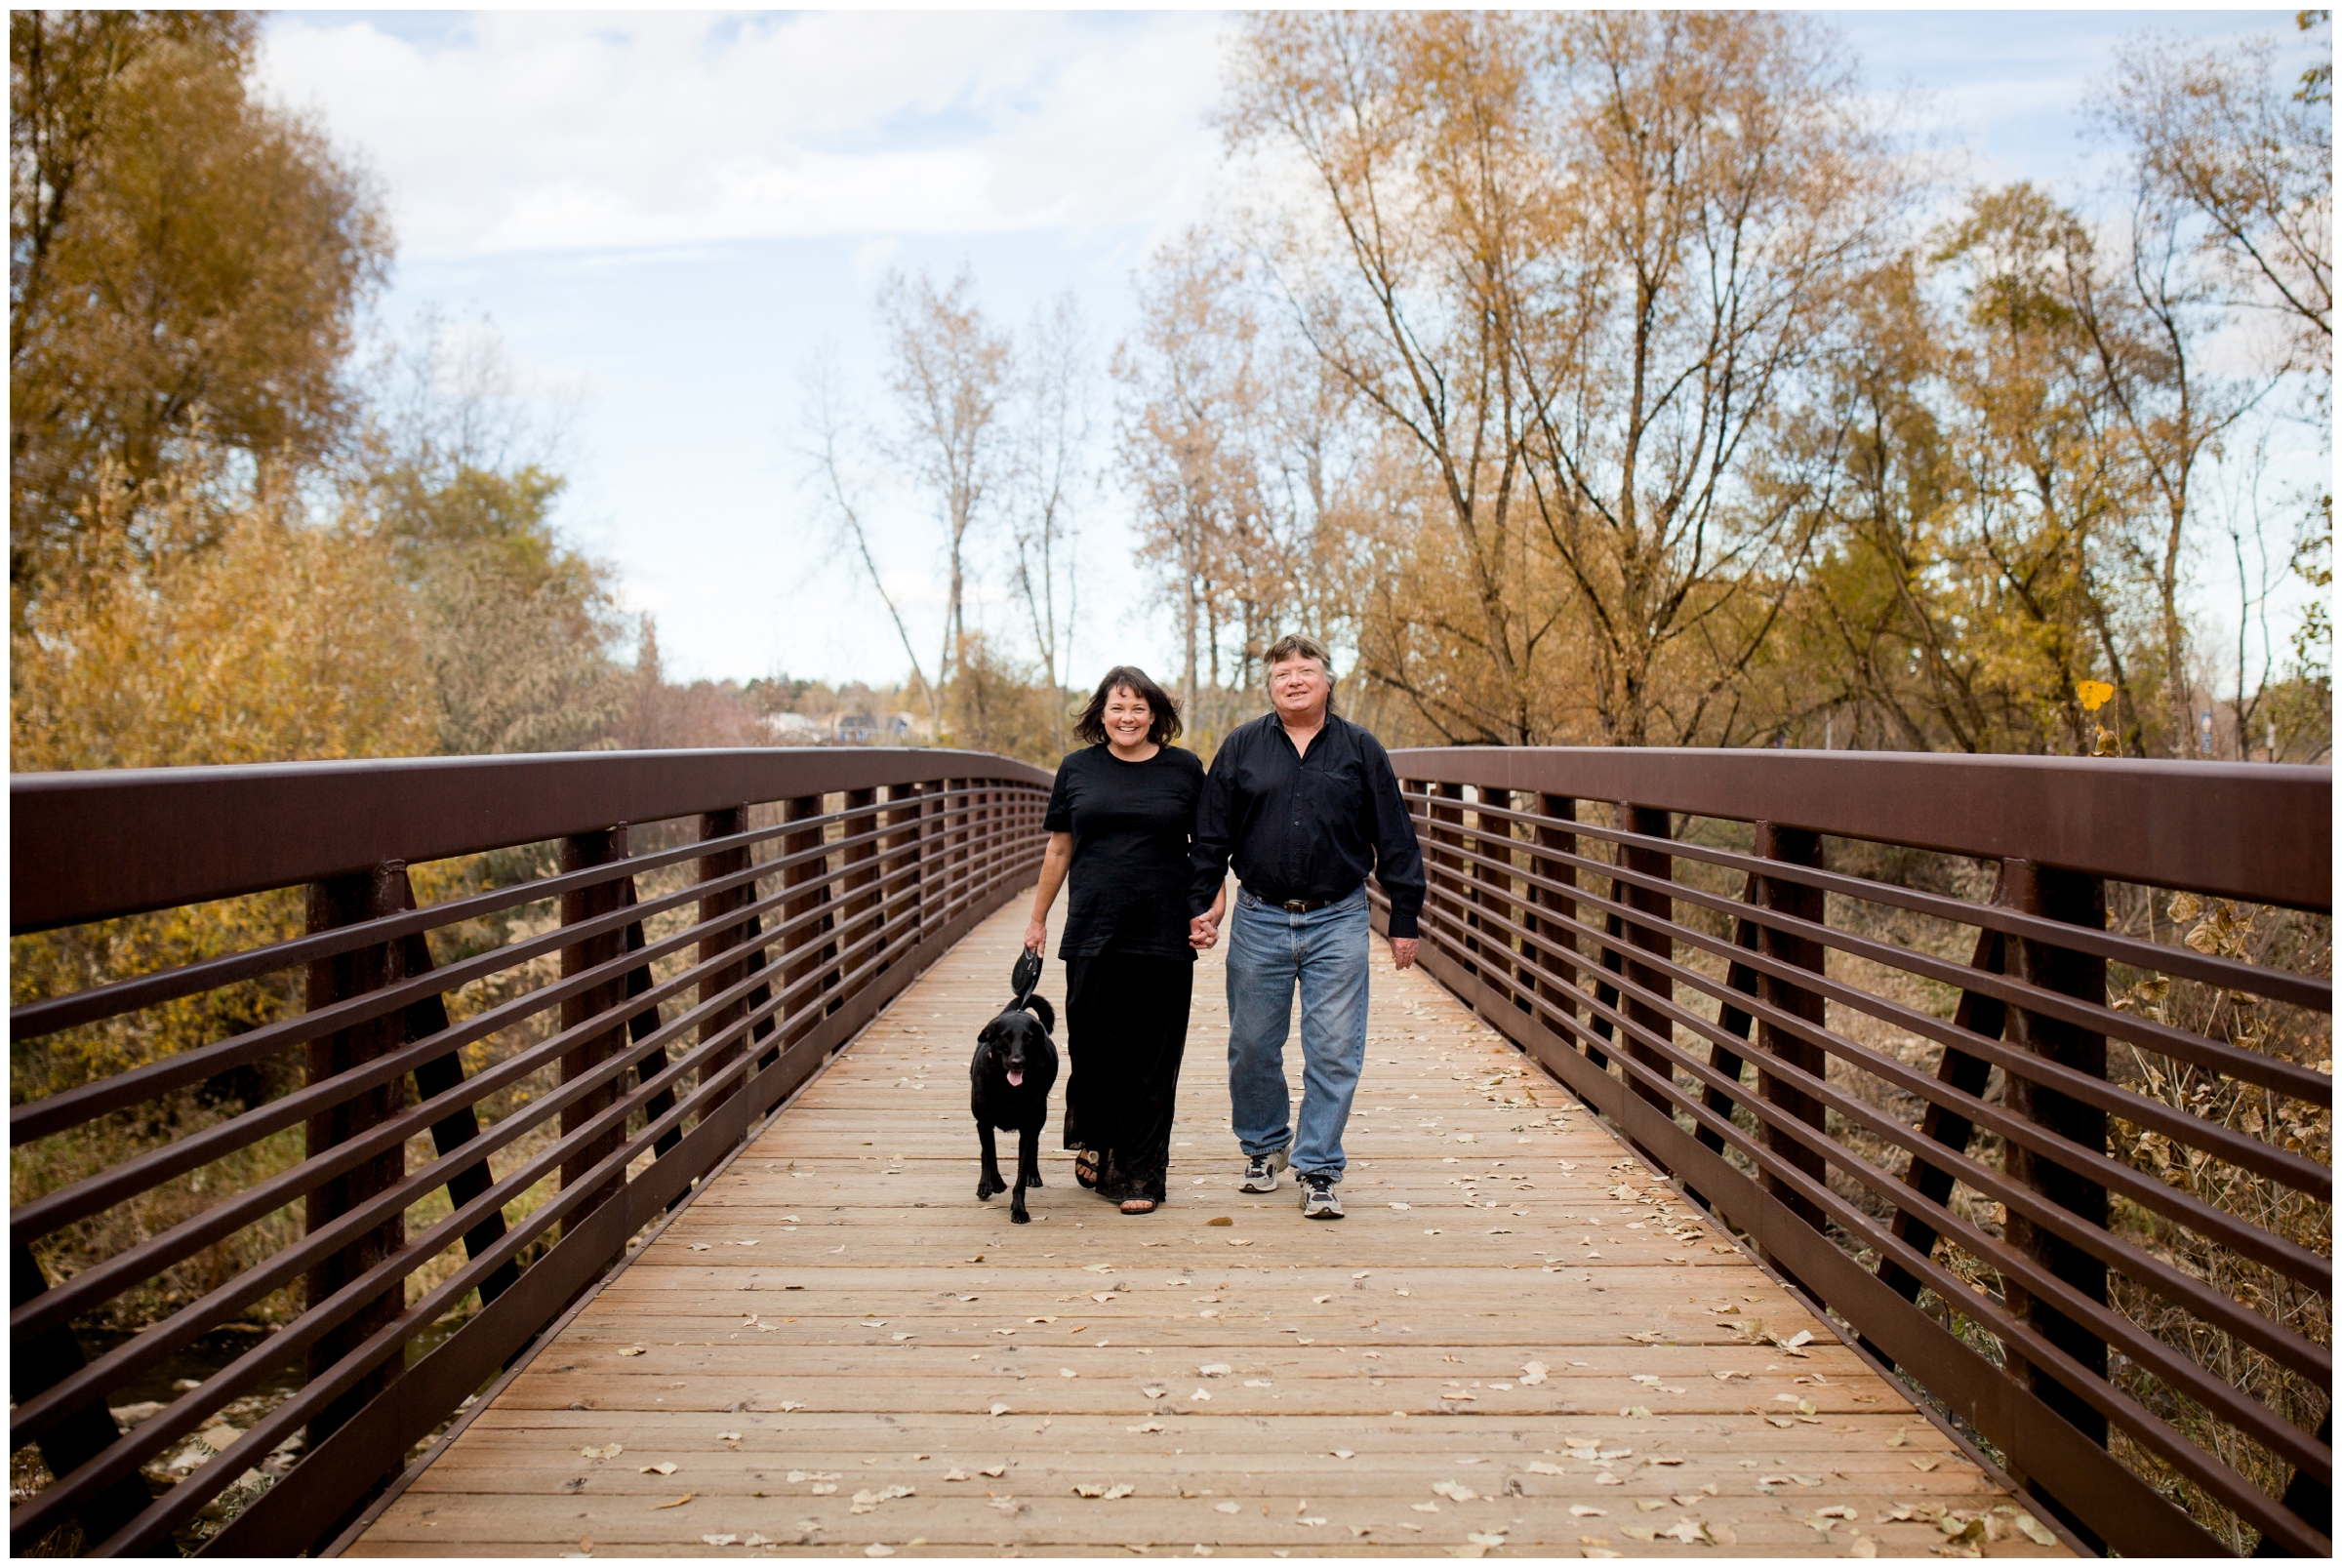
column 1520, row 1342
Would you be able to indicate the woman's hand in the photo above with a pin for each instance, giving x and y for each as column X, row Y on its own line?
column 1202, row 933
column 1036, row 935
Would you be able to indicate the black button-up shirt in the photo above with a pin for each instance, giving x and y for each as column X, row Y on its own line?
column 1306, row 826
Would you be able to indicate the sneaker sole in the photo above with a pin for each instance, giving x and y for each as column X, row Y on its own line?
column 1248, row 1184
column 1321, row 1214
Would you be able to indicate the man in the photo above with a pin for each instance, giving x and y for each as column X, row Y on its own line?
column 1305, row 805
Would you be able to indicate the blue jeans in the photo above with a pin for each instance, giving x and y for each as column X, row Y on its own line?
column 1267, row 951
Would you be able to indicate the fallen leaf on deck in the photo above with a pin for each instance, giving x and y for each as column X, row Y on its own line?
column 1220, row 1219
column 1345, row 1453
column 1539, row 1467
column 1896, row 1441
column 609, row 1451
column 993, row 1469
column 1425, row 1508
column 1151, row 1426
column 955, row 1473
column 1215, row 1369
column 631, row 1349
column 1455, row 1491
column 1922, row 1463
column 719, row 1541
column 1580, row 1510
column 1224, row 1507
column 1532, row 1374
column 665, row 1468
column 999, row 1410
column 676, row 1504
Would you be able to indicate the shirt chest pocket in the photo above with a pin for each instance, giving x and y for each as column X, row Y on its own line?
column 1324, row 796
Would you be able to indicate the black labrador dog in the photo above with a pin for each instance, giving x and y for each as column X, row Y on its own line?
column 1009, row 1083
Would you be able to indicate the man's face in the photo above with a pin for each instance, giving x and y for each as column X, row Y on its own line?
column 1297, row 686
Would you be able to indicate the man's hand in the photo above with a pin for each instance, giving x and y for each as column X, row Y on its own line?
column 1403, row 952
column 1202, row 933
column 1036, row 936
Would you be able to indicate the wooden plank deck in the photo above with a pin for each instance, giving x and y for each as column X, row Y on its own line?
column 837, row 1351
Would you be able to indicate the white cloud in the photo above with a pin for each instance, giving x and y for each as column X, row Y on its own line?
column 535, row 132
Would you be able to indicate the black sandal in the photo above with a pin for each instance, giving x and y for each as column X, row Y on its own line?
column 1086, row 1163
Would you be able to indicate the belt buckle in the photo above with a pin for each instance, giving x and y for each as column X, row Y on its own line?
column 1296, row 906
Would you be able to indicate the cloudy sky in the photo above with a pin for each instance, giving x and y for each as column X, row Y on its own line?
column 663, row 215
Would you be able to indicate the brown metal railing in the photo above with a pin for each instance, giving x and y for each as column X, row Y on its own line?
column 688, row 936
column 2052, row 1143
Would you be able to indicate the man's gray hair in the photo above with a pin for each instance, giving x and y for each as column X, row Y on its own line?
column 1299, row 645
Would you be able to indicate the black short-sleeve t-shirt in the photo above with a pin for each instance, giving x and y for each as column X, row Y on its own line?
column 1131, row 824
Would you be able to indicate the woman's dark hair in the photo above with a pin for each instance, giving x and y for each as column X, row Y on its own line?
column 1162, row 714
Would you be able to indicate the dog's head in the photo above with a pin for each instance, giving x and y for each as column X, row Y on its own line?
column 1011, row 1039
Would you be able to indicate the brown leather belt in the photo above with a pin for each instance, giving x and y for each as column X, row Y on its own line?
column 1301, row 905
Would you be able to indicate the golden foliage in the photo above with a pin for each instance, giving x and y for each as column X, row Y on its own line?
column 280, row 641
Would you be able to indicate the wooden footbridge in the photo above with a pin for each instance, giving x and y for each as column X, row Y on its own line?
column 583, row 1167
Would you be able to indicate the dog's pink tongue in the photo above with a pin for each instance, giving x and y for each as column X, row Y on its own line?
column 1016, row 1078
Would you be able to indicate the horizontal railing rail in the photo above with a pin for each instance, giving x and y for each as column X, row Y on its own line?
column 638, row 957
column 2041, row 1102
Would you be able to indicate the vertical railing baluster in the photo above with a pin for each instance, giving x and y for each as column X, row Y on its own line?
column 2080, row 901
column 579, row 853
column 345, row 901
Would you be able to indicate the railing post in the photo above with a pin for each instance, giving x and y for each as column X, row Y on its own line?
column 578, row 853
column 802, row 945
column 2080, row 901
column 897, row 848
column 715, row 824
column 860, row 868
column 345, row 901
column 1553, row 837
column 1492, row 885
column 1444, row 809
column 1795, row 847
column 1642, row 978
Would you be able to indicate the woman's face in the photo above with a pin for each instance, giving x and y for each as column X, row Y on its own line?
column 1127, row 717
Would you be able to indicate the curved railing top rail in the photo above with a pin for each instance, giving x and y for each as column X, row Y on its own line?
column 2255, row 831
column 95, row 845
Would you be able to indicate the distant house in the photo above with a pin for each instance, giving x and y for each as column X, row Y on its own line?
column 852, row 728
column 791, row 729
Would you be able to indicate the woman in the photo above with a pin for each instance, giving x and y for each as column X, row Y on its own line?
column 1119, row 820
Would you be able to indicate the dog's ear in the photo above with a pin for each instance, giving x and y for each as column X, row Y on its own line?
column 1047, row 1014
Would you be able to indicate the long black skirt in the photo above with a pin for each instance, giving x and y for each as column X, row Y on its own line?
column 1126, row 1030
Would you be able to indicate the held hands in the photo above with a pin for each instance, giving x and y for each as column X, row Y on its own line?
column 1204, row 933
column 1403, row 952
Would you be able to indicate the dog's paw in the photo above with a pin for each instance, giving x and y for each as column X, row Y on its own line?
column 1034, row 1180
column 986, row 1185
column 1019, row 1217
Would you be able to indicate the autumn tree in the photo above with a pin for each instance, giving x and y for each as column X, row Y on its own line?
column 1425, row 190
column 947, row 371
column 2213, row 132
column 185, row 264
column 1050, row 481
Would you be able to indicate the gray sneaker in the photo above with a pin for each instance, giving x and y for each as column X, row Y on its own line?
column 1260, row 1171
column 1319, row 1199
